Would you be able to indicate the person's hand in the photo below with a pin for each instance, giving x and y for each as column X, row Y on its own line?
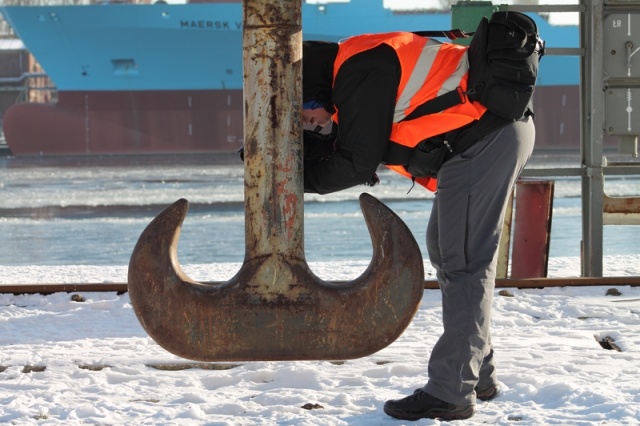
column 373, row 181
column 318, row 146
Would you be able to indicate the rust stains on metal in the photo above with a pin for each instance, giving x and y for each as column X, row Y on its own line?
column 621, row 210
column 625, row 205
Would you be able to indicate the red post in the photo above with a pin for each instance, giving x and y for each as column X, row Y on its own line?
column 532, row 232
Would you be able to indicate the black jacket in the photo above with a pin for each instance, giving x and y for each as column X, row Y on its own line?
column 364, row 94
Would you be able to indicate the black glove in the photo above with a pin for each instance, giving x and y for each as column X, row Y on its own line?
column 318, row 146
column 373, row 181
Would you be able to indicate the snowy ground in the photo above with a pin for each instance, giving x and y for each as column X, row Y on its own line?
column 90, row 362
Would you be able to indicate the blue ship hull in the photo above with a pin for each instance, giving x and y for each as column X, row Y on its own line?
column 168, row 78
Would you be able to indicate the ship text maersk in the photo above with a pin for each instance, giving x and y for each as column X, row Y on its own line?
column 167, row 78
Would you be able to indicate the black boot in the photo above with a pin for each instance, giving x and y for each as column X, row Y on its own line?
column 421, row 405
column 488, row 394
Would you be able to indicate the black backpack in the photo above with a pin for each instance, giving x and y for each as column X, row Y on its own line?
column 503, row 63
column 503, row 66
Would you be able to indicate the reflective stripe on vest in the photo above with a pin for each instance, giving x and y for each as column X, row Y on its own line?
column 444, row 71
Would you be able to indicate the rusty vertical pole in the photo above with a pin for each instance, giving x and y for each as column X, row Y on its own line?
column 272, row 41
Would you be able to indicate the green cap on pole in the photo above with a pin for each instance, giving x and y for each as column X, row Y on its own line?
column 466, row 15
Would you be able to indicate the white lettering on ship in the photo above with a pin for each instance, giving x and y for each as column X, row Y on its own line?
column 211, row 25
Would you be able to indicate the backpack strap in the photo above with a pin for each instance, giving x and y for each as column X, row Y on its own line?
column 450, row 34
column 439, row 103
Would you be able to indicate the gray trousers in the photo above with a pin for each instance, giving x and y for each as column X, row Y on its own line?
column 463, row 234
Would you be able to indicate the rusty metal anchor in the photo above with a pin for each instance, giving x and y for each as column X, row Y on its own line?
column 275, row 308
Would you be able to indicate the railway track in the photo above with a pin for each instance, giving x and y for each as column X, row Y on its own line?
column 50, row 288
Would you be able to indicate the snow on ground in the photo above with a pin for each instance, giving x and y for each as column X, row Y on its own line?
column 90, row 362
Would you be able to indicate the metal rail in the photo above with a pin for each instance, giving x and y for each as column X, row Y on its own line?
column 593, row 81
column 428, row 285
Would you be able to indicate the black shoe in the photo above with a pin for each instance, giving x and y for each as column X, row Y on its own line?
column 487, row 394
column 421, row 405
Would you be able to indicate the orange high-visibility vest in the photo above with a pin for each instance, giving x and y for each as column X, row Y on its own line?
column 430, row 68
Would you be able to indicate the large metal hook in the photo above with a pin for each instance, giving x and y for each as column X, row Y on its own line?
column 275, row 308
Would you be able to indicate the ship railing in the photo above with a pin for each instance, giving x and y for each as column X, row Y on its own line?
column 22, row 77
column 28, row 91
